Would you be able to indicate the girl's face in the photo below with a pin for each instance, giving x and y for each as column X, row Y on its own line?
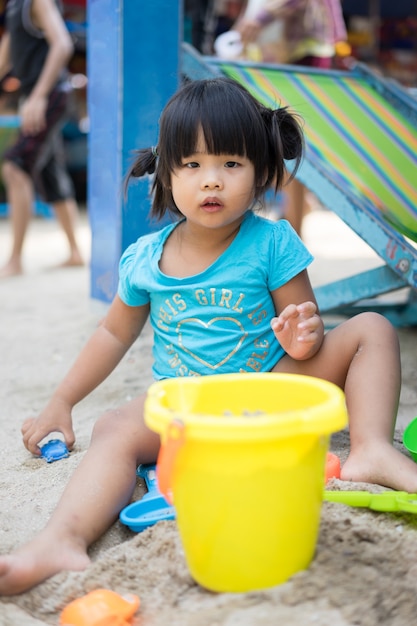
column 213, row 190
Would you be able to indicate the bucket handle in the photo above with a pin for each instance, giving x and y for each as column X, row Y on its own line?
column 175, row 437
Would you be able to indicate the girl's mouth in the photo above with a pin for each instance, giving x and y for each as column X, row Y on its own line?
column 211, row 205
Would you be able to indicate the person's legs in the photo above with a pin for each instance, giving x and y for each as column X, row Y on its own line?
column 67, row 213
column 100, row 487
column 20, row 196
column 36, row 164
column 56, row 187
column 295, row 204
column 362, row 357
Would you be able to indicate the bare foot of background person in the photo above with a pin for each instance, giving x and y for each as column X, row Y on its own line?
column 12, row 268
column 74, row 260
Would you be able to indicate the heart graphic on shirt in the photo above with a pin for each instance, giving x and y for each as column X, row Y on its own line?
column 216, row 320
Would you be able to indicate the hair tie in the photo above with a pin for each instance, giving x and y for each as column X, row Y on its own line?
column 154, row 151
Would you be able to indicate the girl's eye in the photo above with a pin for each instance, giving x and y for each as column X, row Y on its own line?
column 231, row 164
column 191, row 164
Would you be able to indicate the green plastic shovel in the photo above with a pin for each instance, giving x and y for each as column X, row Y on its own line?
column 387, row 501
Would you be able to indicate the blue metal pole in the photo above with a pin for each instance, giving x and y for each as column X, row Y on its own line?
column 133, row 69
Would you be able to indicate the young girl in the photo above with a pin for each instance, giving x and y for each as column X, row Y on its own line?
column 226, row 291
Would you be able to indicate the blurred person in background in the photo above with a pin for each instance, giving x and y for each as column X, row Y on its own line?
column 312, row 33
column 37, row 47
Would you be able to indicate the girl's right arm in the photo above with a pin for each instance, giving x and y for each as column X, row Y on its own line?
column 104, row 350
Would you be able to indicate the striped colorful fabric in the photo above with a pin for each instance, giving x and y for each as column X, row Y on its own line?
column 357, row 136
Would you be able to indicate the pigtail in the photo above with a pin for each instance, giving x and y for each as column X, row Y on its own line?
column 286, row 143
column 291, row 132
column 144, row 163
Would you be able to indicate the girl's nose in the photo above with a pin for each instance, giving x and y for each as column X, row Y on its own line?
column 212, row 181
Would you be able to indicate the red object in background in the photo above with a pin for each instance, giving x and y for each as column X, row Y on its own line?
column 332, row 466
column 398, row 33
column 233, row 9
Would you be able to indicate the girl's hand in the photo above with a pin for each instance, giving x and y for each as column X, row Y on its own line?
column 299, row 330
column 56, row 417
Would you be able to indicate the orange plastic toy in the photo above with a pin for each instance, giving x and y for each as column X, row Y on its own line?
column 100, row 608
column 332, row 466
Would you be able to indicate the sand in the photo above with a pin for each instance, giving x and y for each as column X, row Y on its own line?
column 365, row 566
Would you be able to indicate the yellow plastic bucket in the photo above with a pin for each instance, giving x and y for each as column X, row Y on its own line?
column 244, row 455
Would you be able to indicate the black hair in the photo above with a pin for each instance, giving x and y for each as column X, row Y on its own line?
column 233, row 122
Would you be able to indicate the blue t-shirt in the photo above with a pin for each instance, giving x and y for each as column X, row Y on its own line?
column 217, row 321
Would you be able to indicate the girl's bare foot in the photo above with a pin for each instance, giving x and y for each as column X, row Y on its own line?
column 381, row 464
column 38, row 560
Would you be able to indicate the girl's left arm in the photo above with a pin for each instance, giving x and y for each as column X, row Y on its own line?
column 297, row 325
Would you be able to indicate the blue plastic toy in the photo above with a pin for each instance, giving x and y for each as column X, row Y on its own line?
column 150, row 509
column 54, row 450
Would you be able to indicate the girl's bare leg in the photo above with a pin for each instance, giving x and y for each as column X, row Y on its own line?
column 99, row 488
column 362, row 357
